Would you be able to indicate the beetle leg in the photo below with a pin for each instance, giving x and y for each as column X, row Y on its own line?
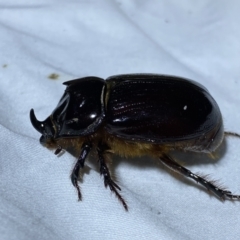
column 210, row 185
column 86, row 147
column 104, row 171
column 232, row 134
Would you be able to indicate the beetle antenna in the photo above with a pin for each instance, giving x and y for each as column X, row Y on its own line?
column 58, row 150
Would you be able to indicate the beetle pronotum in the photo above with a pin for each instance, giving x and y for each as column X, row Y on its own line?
column 133, row 115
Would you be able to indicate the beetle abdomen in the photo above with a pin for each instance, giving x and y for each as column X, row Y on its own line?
column 160, row 109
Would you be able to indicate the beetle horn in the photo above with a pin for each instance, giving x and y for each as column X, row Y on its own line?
column 36, row 124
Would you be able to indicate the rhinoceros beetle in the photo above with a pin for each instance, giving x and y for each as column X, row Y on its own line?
column 134, row 115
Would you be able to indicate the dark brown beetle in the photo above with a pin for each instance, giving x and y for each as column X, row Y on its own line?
column 134, row 115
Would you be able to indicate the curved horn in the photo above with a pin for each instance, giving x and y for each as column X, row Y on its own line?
column 36, row 124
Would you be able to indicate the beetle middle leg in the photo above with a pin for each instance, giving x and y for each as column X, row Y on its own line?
column 210, row 185
column 86, row 147
column 102, row 148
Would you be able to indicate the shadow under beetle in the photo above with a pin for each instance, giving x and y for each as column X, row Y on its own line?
column 134, row 115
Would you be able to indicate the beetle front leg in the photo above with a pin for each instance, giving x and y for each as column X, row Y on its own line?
column 104, row 171
column 209, row 185
column 86, row 147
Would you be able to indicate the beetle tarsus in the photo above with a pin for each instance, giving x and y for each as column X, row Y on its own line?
column 104, row 171
column 231, row 196
column 233, row 134
column 75, row 184
column 209, row 185
column 86, row 147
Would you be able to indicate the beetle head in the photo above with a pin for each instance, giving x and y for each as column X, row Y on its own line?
column 46, row 128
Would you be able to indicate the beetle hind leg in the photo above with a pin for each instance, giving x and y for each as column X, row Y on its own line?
column 104, row 171
column 209, row 185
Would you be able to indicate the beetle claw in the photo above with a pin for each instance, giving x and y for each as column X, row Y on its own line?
column 74, row 180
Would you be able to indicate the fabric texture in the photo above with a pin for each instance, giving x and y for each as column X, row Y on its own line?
column 46, row 42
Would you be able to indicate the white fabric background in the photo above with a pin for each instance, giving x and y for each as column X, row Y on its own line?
column 195, row 39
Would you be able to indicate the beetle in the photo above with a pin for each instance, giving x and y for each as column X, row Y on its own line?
column 133, row 115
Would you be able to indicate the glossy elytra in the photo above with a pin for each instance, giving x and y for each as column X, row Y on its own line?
column 134, row 115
